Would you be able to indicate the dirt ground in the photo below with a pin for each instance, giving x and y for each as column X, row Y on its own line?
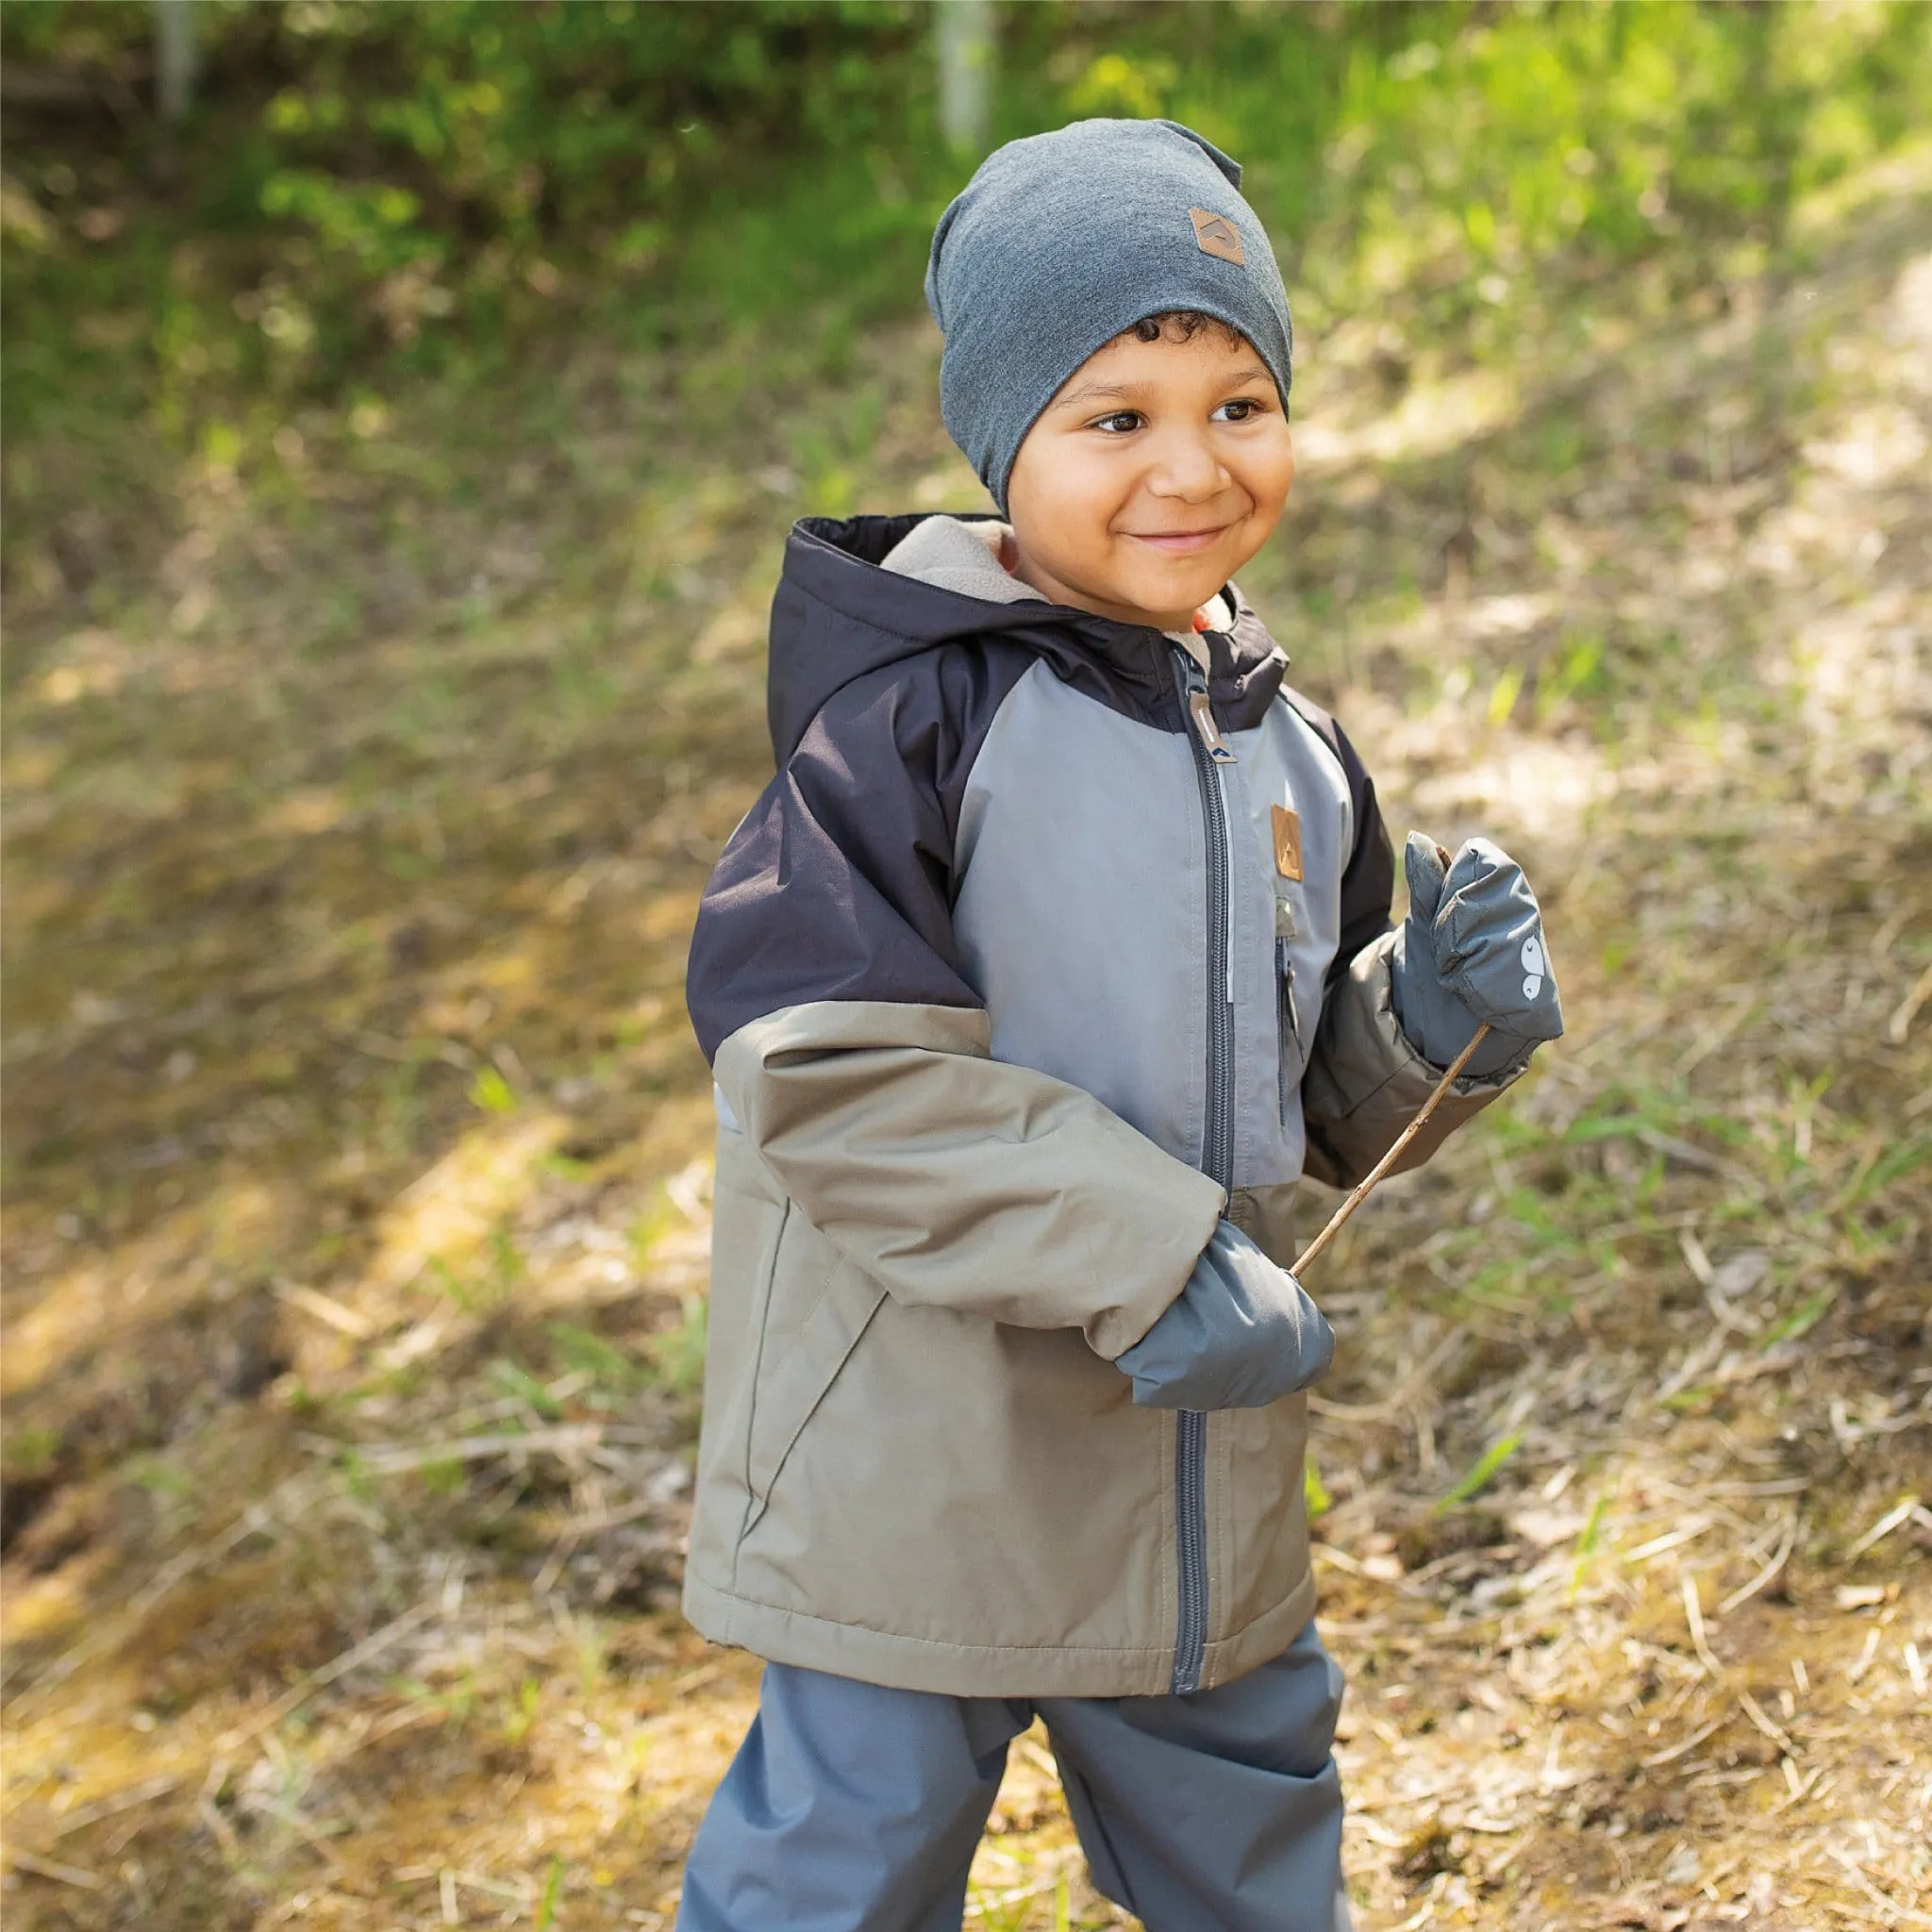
column 356, row 1149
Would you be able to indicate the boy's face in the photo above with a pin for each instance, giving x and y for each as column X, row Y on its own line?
column 1156, row 473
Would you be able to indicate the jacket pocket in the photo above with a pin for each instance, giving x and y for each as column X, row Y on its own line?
column 1291, row 1054
column 818, row 1307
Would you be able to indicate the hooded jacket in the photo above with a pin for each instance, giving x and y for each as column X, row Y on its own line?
column 1053, row 941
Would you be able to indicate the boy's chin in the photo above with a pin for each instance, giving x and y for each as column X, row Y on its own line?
column 1172, row 591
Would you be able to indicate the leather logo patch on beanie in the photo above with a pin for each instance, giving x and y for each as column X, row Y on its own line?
column 1216, row 236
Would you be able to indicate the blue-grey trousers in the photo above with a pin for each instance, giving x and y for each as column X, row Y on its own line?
column 851, row 1808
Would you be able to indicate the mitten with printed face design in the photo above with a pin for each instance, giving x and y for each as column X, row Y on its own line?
column 1473, row 951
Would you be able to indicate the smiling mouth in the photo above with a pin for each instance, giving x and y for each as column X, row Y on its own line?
column 1179, row 543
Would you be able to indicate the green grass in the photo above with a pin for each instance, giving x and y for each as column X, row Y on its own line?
column 1480, row 1473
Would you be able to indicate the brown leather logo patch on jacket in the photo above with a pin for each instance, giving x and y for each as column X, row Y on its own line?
column 1217, row 236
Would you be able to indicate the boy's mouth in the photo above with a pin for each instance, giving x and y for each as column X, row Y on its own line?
column 1179, row 543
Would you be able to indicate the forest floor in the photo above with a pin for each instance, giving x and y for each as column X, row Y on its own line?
column 358, row 1151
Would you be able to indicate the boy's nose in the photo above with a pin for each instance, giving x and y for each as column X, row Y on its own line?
column 1184, row 466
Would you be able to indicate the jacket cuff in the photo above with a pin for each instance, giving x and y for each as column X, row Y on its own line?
column 1366, row 1082
column 1241, row 1335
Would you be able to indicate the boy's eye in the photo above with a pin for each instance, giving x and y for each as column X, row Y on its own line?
column 1120, row 422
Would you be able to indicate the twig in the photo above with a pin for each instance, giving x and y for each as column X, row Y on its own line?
column 384, row 1458
column 1673, row 1148
column 218, row 1829
column 1900, row 1024
column 1671, row 1539
column 1863, row 1662
column 1883, row 1527
column 1767, row 1724
column 1764, row 1576
column 1360, row 1191
column 1327, row 1553
column 561, row 1551
column 612, row 1518
column 59, row 1874
column 121, row 1801
column 1693, row 1616
column 1895, row 923
column 1684, row 1749
column 351, row 1322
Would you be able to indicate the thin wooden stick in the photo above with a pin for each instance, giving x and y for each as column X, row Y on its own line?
column 1360, row 1191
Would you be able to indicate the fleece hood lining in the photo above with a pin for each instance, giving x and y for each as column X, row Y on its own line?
column 963, row 557
column 841, row 615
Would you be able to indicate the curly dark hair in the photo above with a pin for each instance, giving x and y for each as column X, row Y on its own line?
column 1180, row 325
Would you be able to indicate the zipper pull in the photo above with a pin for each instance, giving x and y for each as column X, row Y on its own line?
column 1201, row 709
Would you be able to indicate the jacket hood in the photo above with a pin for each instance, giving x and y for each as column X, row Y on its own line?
column 840, row 614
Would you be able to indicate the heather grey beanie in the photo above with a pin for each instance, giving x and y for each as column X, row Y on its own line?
column 1062, row 241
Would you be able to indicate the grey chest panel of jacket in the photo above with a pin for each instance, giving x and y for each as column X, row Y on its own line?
column 1084, row 858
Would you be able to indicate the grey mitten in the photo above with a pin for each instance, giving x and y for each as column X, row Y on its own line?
column 1240, row 1335
column 1472, row 950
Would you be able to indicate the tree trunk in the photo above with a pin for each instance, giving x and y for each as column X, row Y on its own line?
column 967, row 52
column 174, row 57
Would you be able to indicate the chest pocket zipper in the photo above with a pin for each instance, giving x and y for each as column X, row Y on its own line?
column 1287, row 1022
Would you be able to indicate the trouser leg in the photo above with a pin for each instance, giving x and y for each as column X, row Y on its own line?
column 849, row 1807
column 1215, row 1812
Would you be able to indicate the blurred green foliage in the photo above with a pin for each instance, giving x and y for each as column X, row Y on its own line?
column 361, row 186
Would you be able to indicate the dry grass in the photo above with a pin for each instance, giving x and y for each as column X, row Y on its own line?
column 358, row 1173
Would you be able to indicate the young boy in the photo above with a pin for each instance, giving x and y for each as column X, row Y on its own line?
column 1054, row 954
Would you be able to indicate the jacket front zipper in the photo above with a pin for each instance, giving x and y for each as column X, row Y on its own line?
column 1211, row 755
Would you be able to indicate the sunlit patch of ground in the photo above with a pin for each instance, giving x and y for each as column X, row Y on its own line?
column 357, row 1170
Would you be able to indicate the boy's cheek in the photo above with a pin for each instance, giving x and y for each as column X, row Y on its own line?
column 1272, row 478
column 1064, row 516
column 1288, row 441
